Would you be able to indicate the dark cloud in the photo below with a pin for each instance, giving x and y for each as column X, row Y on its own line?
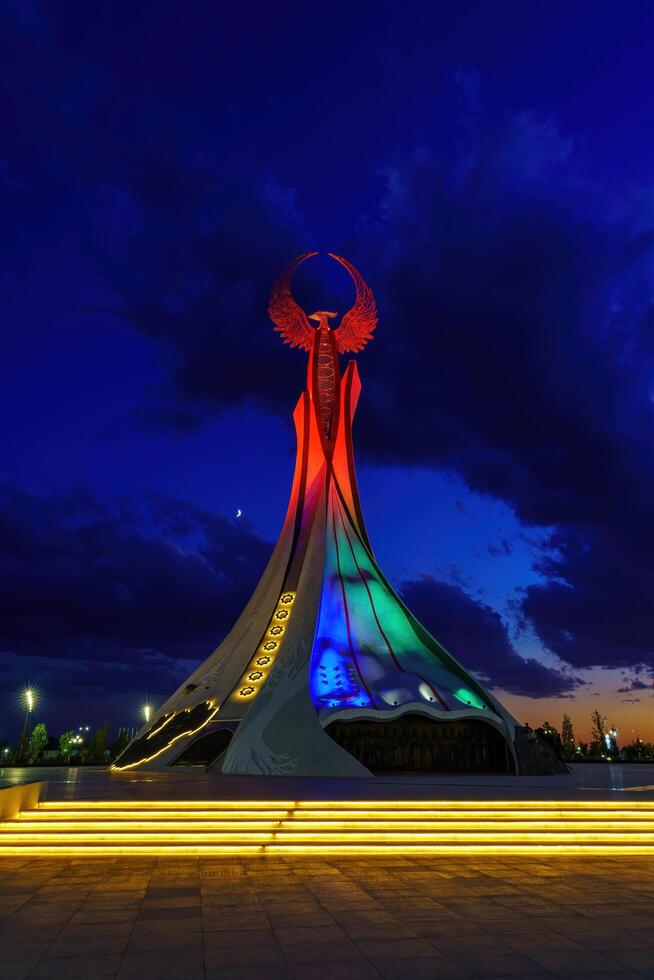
column 520, row 321
column 636, row 685
column 515, row 346
column 597, row 606
column 516, row 337
column 477, row 636
column 102, row 597
column 120, row 581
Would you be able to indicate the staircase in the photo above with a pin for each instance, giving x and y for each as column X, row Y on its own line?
column 237, row 828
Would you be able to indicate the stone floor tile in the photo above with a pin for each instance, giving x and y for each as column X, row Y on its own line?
column 317, row 952
column 512, row 926
column 377, row 927
column 498, row 964
column 163, row 964
column 154, row 973
column 302, row 919
column 390, row 949
column 215, row 922
column 243, row 955
column 76, row 968
column 291, row 935
column 86, row 946
column 587, row 962
column 18, row 932
column 250, row 937
column 269, row 972
column 22, row 946
column 601, row 940
column 641, row 960
column 166, row 927
column 349, row 970
column 525, row 942
column 451, row 928
column 168, row 914
column 423, row 968
column 175, row 943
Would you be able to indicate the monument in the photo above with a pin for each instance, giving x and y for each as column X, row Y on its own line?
column 326, row 671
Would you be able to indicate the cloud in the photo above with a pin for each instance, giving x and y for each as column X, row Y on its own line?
column 477, row 636
column 131, row 583
column 519, row 318
column 515, row 345
column 635, row 684
column 516, row 336
column 597, row 606
column 104, row 596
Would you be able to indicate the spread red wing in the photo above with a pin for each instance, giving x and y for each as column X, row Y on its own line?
column 290, row 320
column 357, row 325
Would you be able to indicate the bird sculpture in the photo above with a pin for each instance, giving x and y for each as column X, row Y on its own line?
column 323, row 343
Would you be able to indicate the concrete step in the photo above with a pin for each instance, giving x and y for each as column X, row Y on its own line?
column 180, row 825
column 330, row 828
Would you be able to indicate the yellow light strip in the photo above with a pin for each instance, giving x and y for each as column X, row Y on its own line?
column 167, row 719
column 367, row 805
column 259, row 667
column 397, row 816
column 191, row 731
column 353, row 837
column 290, row 850
column 327, row 820
column 274, row 824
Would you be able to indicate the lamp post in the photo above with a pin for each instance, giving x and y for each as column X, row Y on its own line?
column 28, row 698
column 147, row 712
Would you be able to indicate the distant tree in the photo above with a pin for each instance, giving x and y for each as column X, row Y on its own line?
column 567, row 738
column 97, row 744
column 66, row 745
column 597, row 733
column 613, row 747
column 38, row 741
column 550, row 734
column 119, row 744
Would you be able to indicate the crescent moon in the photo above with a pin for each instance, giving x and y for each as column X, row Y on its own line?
column 239, row 512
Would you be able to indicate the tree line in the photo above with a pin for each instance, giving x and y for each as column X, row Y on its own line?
column 602, row 747
column 39, row 747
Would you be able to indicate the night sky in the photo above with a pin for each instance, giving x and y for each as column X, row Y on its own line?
column 488, row 167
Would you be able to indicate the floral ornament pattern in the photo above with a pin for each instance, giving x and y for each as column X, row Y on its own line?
column 257, row 672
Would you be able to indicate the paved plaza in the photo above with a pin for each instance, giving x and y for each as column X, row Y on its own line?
column 228, row 919
column 327, row 918
column 588, row 783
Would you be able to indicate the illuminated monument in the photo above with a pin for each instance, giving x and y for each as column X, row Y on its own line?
column 326, row 672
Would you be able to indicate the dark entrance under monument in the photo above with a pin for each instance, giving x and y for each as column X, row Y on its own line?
column 414, row 743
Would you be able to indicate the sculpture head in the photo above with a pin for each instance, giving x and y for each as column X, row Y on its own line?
column 355, row 328
column 321, row 317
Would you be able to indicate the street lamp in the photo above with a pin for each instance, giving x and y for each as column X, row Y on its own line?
column 147, row 712
column 28, row 699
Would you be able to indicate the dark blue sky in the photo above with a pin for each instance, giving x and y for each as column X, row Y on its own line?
column 489, row 169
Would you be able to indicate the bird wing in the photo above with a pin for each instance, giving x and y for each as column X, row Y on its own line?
column 290, row 320
column 358, row 323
